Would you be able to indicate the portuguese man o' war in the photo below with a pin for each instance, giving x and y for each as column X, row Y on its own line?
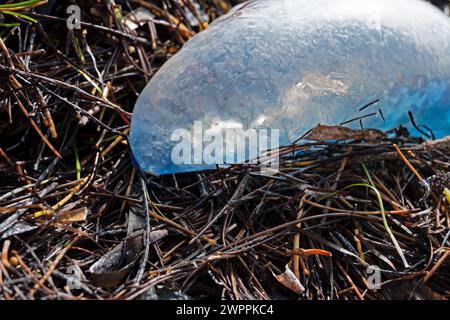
column 289, row 65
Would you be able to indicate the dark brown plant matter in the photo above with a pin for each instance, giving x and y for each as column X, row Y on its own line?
column 353, row 219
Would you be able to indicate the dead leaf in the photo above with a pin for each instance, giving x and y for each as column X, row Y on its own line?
column 290, row 281
column 72, row 216
column 137, row 18
column 324, row 133
column 111, row 269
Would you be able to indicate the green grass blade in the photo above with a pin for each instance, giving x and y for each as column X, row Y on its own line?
column 23, row 16
column 19, row 4
column 383, row 217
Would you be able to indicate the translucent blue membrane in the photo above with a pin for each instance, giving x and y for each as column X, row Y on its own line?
column 292, row 64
